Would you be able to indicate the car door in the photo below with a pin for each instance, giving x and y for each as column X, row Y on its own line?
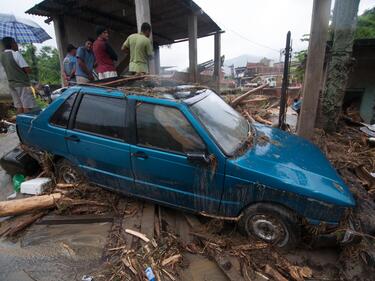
column 163, row 169
column 96, row 140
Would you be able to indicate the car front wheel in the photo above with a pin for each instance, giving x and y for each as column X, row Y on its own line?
column 271, row 223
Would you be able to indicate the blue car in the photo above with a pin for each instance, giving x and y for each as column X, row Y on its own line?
column 190, row 150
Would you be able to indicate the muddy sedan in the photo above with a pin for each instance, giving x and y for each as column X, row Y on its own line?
column 192, row 151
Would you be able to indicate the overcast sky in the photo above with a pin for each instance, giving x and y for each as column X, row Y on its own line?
column 256, row 27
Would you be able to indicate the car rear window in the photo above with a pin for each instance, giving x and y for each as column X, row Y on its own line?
column 166, row 128
column 101, row 115
column 61, row 117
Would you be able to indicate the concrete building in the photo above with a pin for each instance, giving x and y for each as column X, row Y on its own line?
column 361, row 82
column 172, row 21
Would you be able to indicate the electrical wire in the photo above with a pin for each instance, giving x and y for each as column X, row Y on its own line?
column 253, row 42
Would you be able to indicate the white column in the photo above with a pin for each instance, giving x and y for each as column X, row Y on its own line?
column 193, row 60
column 143, row 14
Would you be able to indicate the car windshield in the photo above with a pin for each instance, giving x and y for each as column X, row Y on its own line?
column 228, row 128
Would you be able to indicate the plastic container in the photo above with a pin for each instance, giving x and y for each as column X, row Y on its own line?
column 18, row 161
column 150, row 274
column 35, row 186
column 17, row 180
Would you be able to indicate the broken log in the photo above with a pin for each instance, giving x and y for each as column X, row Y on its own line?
column 122, row 80
column 261, row 120
column 254, row 100
column 237, row 100
column 137, row 234
column 171, row 260
column 274, row 273
column 20, row 206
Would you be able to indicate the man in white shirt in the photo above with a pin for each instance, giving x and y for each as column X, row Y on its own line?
column 17, row 71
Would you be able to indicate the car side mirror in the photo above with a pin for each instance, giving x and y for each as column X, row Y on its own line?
column 198, row 158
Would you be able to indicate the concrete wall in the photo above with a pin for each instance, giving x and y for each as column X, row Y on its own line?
column 4, row 89
column 363, row 77
column 77, row 31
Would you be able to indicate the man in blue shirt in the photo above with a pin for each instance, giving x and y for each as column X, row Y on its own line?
column 85, row 62
column 69, row 63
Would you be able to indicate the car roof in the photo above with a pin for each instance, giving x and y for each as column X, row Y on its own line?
column 149, row 86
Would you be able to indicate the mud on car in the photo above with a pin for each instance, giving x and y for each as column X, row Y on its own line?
column 186, row 148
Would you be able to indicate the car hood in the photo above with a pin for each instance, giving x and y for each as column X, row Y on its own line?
column 284, row 161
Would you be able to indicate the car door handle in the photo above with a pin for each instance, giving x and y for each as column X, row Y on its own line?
column 140, row 154
column 72, row 138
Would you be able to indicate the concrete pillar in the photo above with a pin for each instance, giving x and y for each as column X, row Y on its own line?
column 61, row 40
column 143, row 14
column 193, row 59
column 314, row 67
column 217, row 59
column 157, row 59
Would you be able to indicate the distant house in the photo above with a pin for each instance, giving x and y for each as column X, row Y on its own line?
column 252, row 70
column 207, row 68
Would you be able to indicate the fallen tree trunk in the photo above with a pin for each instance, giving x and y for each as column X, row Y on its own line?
column 236, row 101
column 20, row 206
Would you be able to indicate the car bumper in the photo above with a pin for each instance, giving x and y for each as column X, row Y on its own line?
column 339, row 236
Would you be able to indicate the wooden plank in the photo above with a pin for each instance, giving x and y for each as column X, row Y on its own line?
column 148, row 220
column 183, row 229
column 194, row 222
column 132, row 221
column 230, row 266
column 75, row 219
column 168, row 219
column 201, row 269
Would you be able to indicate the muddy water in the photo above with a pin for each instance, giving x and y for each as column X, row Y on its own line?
column 56, row 252
column 48, row 253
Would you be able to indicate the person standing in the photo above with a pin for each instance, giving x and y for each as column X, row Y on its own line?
column 140, row 48
column 17, row 71
column 69, row 64
column 85, row 62
column 104, row 54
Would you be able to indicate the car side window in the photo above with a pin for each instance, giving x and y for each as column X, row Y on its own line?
column 102, row 116
column 61, row 117
column 166, row 128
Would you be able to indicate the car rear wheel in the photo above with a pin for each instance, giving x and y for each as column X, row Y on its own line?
column 66, row 172
column 271, row 223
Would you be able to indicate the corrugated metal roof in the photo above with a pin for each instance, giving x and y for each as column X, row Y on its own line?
column 168, row 17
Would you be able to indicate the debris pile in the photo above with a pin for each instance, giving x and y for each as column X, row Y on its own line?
column 353, row 155
column 254, row 105
column 148, row 238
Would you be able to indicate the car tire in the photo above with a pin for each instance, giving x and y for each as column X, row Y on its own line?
column 271, row 223
column 66, row 172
